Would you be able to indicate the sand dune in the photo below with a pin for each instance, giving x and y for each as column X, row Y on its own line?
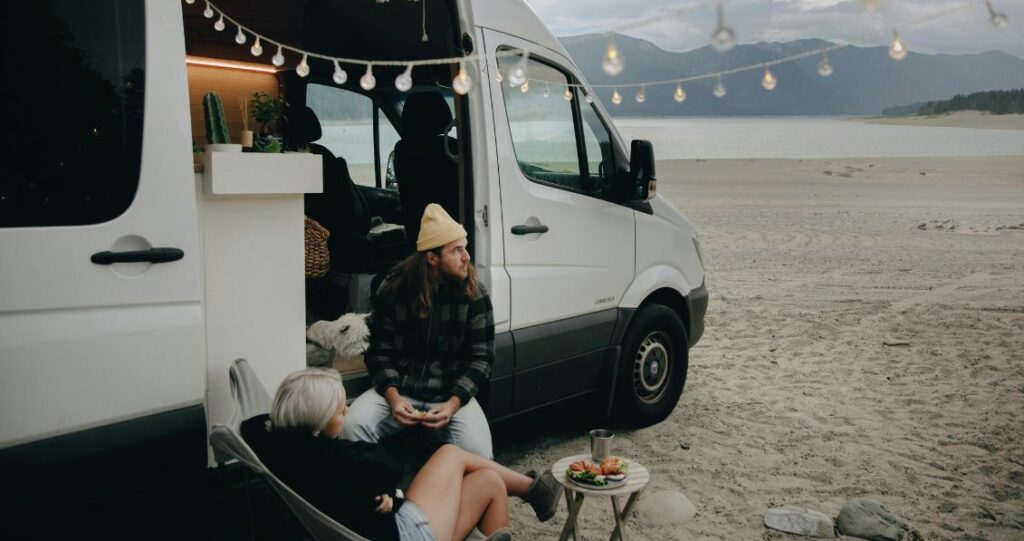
column 864, row 338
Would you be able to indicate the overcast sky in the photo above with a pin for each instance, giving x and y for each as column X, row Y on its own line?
column 927, row 26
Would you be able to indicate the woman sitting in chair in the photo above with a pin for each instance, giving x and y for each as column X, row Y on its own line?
column 355, row 482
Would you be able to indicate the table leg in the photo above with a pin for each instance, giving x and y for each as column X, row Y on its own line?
column 568, row 507
column 620, row 518
column 574, row 510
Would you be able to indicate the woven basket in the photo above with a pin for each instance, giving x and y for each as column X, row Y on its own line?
column 318, row 258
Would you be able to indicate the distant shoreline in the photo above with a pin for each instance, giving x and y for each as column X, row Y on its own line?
column 957, row 119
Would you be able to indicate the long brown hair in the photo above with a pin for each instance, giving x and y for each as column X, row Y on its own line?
column 413, row 278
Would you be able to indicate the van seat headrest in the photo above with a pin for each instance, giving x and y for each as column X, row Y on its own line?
column 303, row 127
column 425, row 114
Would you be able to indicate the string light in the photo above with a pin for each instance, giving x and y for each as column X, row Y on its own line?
column 547, row 90
column 998, row 20
column 679, row 95
column 303, row 68
column 462, row 84
column 613, row 61
column 497, row 76
column 190, row 2
column 769, row 81
column 278, row 58
column 257, row 47
column 641, row 95
column 219, row 25
column 208, row 12
column 240, row 36
column 824, row 68
column 404, row 80
column 719, row 89
column 588, row 98
column 368, row 81
column 517, row 75
column 870, row 5
column 339, row 76
column 722, row 38
column 567, row 95
column 616, row 97
column 897, row 50
column 525, row 87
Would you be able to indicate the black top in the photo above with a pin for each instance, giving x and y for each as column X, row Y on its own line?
column 340, row 478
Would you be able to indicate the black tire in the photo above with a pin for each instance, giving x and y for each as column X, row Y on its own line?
column 652, row 366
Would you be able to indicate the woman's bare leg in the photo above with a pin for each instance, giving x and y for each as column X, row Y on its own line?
column 437, row 488
column 484, row 503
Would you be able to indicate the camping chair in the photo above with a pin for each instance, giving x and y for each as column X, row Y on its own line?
column 252, row 399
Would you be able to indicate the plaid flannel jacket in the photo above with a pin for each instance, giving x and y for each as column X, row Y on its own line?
column 448, row 353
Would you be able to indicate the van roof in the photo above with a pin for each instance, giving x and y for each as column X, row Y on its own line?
column 517, row 18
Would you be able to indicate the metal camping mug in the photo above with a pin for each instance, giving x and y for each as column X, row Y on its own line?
column 600, row 444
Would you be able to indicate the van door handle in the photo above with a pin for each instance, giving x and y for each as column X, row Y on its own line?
column 152, row 255
column 527, row 229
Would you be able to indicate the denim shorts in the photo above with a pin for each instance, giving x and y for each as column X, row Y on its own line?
column 412, row 523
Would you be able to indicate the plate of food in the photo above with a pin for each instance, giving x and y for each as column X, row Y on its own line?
column 610, row 473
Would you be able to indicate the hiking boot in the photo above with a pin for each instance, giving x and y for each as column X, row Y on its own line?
column 543, row 495
column 501, row 534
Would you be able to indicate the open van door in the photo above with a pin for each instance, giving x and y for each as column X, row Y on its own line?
column 569, row 246
column 100, row 316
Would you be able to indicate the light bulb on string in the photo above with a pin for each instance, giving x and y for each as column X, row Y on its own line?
column 240, row 36
column 404, row 80
column 679, row 95
column 616, row 97
column 339, row 76
column 824, row 68
column 368, row 81
column 517, row 75
column 278, row 58
column 897, row 50
column 722, row 38
column 769, row 81
column 190, row 2
column 998, row 20
column 525, row 87
column 641, row 95
column 613, row 61
column 303, row 68
column 208, row 12
column 462, row 84
column 257, row 47
column 219, row 25
column 719, row 89
column 870, row 5
column 547, row 90
column 567, row 95
column 588, row 98
column 498, row 78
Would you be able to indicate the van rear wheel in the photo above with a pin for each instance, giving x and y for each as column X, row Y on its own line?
column 653, row 366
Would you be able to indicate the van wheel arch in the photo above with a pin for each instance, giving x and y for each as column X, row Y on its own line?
column 672, row 299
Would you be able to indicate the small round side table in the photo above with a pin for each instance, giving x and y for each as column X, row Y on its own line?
column 636, row 480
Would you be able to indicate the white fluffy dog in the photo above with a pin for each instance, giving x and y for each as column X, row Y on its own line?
column 340, row 343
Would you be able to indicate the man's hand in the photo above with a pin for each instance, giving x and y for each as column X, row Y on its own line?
column 401, row 410
column 385, row 503
column 441, row 414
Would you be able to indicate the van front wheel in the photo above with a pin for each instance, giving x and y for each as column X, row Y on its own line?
column 652, row 368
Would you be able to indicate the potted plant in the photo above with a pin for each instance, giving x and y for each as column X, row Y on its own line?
column 217, row 138
column 246, row 136
column 267, row 110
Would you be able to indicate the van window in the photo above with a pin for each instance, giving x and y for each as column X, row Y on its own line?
column 600, row 157
column 346, row 121
column 73, row 128
column 543, row 128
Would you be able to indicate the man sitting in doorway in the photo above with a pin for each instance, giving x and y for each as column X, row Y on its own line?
column 431, row 344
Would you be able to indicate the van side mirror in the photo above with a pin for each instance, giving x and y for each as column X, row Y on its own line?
column 641, row 170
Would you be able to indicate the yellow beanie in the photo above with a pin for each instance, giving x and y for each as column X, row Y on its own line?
column 437, row 228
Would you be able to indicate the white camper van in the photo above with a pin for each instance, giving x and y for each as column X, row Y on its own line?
column 129, row 279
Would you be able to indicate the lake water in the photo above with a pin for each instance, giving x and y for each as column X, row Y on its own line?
column 811, row 137
column 736, row 137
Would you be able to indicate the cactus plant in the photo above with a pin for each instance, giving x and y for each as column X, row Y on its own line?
column 216, row 126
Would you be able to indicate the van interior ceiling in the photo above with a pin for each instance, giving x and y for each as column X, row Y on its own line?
column 386, row 153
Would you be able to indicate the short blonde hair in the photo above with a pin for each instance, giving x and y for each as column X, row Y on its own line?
column 306, row 400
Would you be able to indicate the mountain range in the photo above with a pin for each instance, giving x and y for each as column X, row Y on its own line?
column 865, row 80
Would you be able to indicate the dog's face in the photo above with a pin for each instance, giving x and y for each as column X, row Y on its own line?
column 349, row 334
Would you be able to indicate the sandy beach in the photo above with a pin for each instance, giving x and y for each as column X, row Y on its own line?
column 864, row 339
column 956, row 119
